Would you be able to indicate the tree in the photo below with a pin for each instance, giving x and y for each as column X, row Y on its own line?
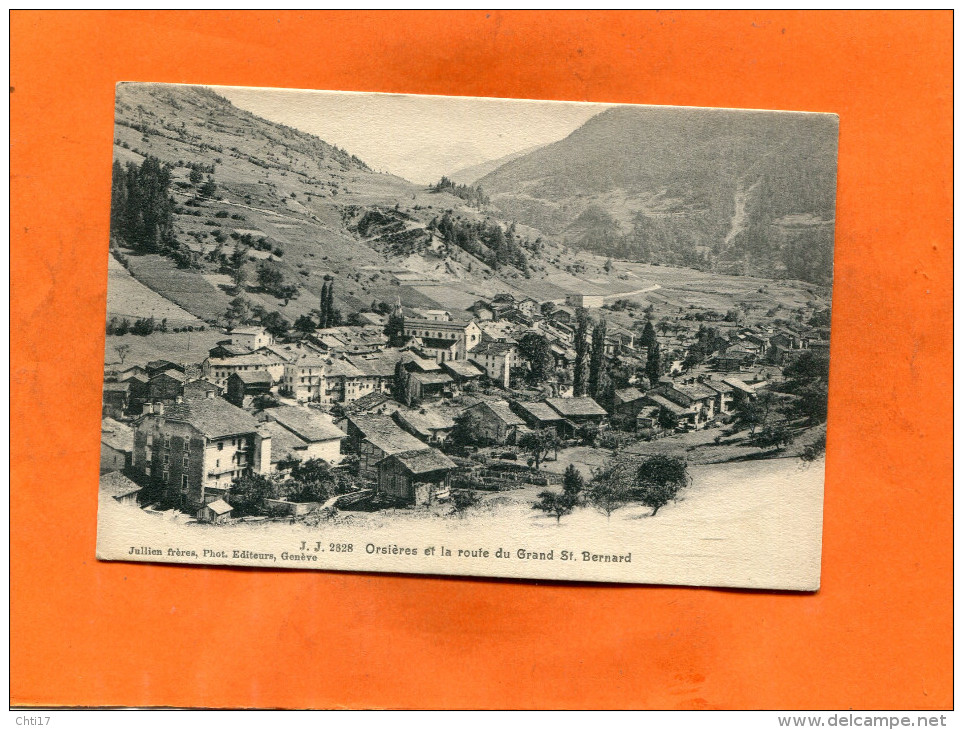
column 597, row 379
column 269, row 277
column 123, row 351
column 556, row 504
column 547, row 308
column 611, row 486
column 329, row 306
column 402, row 384
column 814, row 450
column 573, row 483
column 237, row 263
column 463, row 499
column 538, row 444
column 775, row 437
column 195, row 175
column 653, row 364
column 608, row 266
column 209, row 188
column 248, row 492
column 659, row 480
column 239, row 312
column 323, row 305
column 264, row 401
column 275, row 324
column 580, row 370
column 304, row 324
column 537, row 351
column 648, row 335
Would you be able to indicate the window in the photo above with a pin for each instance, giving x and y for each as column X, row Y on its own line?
column 220, row 446
column 184, row 482
column 167, row 477
column 167, row 441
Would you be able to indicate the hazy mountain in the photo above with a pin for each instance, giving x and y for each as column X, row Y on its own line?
column 470, row 175
column 729, row 191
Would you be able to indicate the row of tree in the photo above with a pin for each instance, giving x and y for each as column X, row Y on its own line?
column 484, row 240
column 652, row 482
column 472, row 195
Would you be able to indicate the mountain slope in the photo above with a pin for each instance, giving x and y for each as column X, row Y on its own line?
column 729, row 191
column 470, row 175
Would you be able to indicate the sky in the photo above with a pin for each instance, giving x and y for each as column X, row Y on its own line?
column 419, row 138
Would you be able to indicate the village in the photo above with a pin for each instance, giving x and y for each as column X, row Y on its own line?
column 408, row 408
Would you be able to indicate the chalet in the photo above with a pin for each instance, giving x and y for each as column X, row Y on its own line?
column 529, row 307
column 725, row 397
column 166, row 387
column 252, row 338
column 134, row 371
column 116, row 400
column 430, row 386
column 627, row 404
column 416, row 477
column 115, row 485
column 647, row 422
column 465, row 335
column 697, row 399
column 431, row 425
column 216, row 513
column 287, row 449
column 497, row 360
column 674, row 411
column 584, row 412
column 116, row 445
column 242, row 387
column 374, row 438
column 482, row 311
column 492, row 422
column 156, row 367
column 563, row 314
column 194, row 450
column 321, row 437
column 462, row 371
column 538, row 416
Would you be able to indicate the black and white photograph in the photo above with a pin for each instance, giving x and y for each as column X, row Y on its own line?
column 468, row 336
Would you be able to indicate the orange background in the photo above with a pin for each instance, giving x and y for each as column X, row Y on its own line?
column 877, row 635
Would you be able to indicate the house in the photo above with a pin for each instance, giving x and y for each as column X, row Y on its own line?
column 725, row 398
column 497, row 360
column 116, row 445
column 482, row 311
column 219, row 369
column 465, row 335
column 492, row 422
column 627, row 404
column 438, row 349
column 287, row 449
column 674, row 411
column 563, row 314
column 136, row 378
column 429, row 386
column 115, row 485
column 116, row 400
column 194, row 450
column 156, row 367
column 585, row 413
column 303, row 377
column 252, row 338
column 435, row 315
column 166, row 387
column 373, row 403
column 242, row 387
column 200, row 388
column 462, row 371
column 431, row 425
column 343, row 382
column 226, row 348
column 216, row 513
column 321, row 436
column 416, row 477
column 529, row 307
column 698, row 400
column 647, row 422
column 133, row 371
column 374, row 438
column 538, row 416
column 588, row 301
column 377, row 371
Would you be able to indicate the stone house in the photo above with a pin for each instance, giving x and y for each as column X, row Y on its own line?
column 416, row 477
column 492, row 422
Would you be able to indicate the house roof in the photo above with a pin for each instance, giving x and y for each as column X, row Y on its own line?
column 462, row 368
column 251, row 358
column 504, row 413
column 115, row 484
column 438, row 343
column 494, row 349
column 159, row 365
column 309, row 425
column 666, row 403
column 116, row 435
column 431, row 378
column 117, row 387
column 434, row 324
column 284, row 444
column 426, row 420
column 695, row 391
column 254, row 377
column 248, row 331
column 383, row 433
column 371, row 400
column 231, row 349
column 628, row 395
column 718, row 386
column 583, row 406
column 199, row 387
column 170, row 374
column 213, row 417
column 219, row 507
column 539, row 411
column 381, row 364
column 420, row 362
column 342, row 369
column 423, row 460
column 739, row 385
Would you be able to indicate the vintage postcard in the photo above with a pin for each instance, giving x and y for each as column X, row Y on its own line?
column 487, row 337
